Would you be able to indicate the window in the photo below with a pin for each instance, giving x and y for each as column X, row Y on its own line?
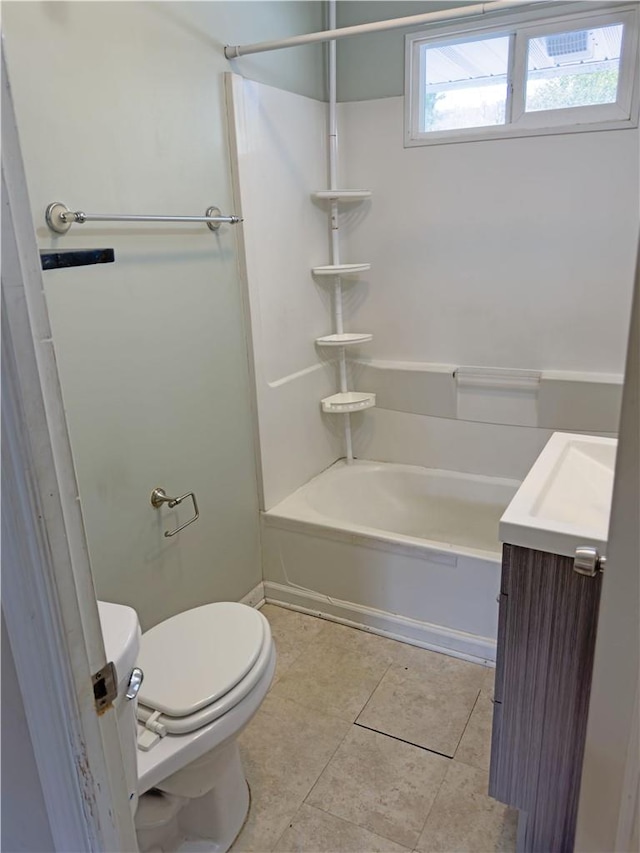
column 525, row 77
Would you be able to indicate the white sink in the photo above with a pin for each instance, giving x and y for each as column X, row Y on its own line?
column 565, row 499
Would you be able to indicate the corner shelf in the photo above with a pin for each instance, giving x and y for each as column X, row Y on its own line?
column 341, row 269
column 342, row 195
column 344, row 402
column 348, row 401
column 347, row 339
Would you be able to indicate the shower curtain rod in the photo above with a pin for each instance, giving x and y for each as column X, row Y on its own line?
column 234, row 51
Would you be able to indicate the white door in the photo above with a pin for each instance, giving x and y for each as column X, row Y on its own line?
column 608, row 813
column 48, row 603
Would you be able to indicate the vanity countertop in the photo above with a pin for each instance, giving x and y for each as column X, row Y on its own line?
column 565, row 499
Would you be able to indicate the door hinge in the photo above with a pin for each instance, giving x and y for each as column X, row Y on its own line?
column 588, row 561
column 105, row 686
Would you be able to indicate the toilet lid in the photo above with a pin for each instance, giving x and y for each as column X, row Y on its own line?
column 192, row 659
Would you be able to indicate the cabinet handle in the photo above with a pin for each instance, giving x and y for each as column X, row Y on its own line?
column 588, row 561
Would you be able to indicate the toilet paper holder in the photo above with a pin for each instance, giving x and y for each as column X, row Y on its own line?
column 159, row 497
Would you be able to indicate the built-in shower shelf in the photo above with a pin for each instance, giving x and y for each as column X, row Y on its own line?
column 347, row 339
column 348, row 401
column 341, row 269
column 343, row 195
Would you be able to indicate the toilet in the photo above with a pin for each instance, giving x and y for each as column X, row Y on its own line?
column 206, row 672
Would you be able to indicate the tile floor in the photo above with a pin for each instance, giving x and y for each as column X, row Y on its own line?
column 365, row 744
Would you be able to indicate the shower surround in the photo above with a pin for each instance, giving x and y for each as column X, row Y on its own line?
column 408, row 549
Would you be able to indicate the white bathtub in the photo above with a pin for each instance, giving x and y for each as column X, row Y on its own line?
column 408, row 552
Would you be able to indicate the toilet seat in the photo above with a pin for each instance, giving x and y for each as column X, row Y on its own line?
column 199, row 664
column 177, row 751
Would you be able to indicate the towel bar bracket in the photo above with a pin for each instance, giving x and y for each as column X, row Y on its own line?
column 60, row 219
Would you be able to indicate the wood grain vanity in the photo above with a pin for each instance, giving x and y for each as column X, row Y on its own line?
column 555, row 533
column 546, row 638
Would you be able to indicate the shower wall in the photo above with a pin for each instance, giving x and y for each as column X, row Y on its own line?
column 279, row 140
column 120, row 109
column 513, row 254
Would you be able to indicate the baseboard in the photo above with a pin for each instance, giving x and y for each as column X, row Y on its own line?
column 436, row 638
column 254, row 598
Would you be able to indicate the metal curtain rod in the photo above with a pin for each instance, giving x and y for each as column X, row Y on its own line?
column 233, row 51
column 59, row 218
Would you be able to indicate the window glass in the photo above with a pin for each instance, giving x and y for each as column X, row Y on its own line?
column 530, row 74
column 578, row 68
column 465, row 84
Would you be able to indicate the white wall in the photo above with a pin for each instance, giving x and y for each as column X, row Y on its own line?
column 120, row 108
column 280, row 150
column 512, row 254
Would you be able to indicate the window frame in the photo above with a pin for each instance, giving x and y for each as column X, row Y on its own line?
column 521, row 28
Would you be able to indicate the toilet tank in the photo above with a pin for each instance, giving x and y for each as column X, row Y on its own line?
column 121, row 634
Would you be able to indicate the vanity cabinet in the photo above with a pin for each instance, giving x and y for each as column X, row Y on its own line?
column 546, row 638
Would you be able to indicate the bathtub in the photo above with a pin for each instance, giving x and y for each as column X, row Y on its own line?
column 407, row 552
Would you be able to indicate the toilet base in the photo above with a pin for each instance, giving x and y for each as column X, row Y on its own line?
column 216, row 816
column 156, row 822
